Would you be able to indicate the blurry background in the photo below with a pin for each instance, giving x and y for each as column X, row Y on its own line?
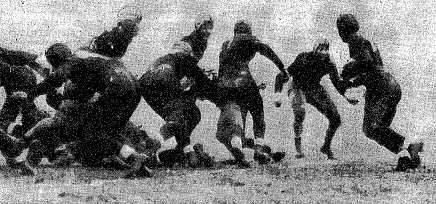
column 403, row 30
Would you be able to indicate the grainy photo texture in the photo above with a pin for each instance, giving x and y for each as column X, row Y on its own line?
column 201, row 101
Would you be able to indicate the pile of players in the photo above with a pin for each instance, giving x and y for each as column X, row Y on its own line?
column 91, row 124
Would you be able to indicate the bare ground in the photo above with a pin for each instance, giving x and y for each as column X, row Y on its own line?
column 294, row 181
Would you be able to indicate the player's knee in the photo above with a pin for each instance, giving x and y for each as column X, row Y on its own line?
column 335, row 121
column 226, row 133
column 171, row 129
column 370, row 129
column 299, row 115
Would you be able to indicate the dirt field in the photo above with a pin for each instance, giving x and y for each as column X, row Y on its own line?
column 287, row 182
column 404, row 30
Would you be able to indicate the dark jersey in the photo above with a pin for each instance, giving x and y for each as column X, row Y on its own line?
column 198, row 43
column 236, row 54
column 18, row 58
column 82, row 78
column 379, row 83
column 367, row 69
column 181, row 65
column 308, row 69
column 366, row 58
column 16, row 78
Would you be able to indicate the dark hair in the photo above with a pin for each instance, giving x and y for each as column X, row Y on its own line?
column 242, row 27
column 347, row 24
column 57, row 53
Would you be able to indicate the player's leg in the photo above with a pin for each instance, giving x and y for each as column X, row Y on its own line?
column 9, row 112
column 320, row 99
column 262, row 152
column 31, row 115
column 230, row 132
column 11, row 148
column 181, row 117
column 376, row 121
column 299, row 114
column 43, row 139
column 255, row 107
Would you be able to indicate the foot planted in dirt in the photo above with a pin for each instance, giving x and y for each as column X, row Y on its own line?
column 414, row 149
column 261, row 158
column 278, row 156
column 300, row 156
column 405, row 163
column 262, row 154
column 327, row 151
column 412, row 162
column 240, row 158
column 25, row 169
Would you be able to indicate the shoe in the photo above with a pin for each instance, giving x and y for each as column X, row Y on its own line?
column 204, row 159
column 403, row 164
column 144, row 172
column 266, row 149
column 247, row 143
column 26, row 169
column 300, row 156
column 277, row 156
column 327, row 151
column 193, row 160
column 415, row 163
column 243, row 164
column 261, row 158
column 169, row 158
column 414, row 149
column 239, row 158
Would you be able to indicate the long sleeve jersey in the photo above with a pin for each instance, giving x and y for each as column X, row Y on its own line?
column 308, row 69
column 237, row 54
column 83, row 77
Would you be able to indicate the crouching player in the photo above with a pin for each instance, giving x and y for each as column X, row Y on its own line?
column 17, row 80
column 383, row 93
column 11, row 148
column 17, row 74
column 102, row 96
column 173, row 84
